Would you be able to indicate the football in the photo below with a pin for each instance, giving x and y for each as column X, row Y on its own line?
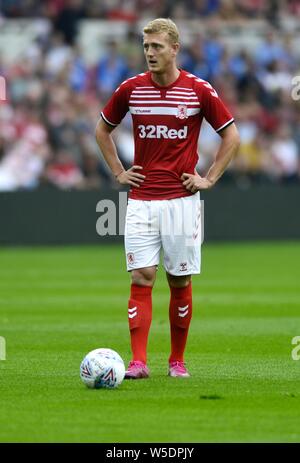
column 102, row 368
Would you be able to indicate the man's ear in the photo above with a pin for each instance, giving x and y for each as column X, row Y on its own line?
column 175, row 47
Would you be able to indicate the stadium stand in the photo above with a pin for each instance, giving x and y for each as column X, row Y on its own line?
column 62, row 60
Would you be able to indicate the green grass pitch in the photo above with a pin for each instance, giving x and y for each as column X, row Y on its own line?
column 57, row 304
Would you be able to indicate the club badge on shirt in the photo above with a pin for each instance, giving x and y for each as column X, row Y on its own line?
column 182, row 111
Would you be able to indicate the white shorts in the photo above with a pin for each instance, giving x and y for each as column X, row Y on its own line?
column 173, row 225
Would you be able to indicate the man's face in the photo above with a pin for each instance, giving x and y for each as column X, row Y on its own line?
column 160, row 53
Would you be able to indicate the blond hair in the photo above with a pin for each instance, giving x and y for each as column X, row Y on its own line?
column 163, row 25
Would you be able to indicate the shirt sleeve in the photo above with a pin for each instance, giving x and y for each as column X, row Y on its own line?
column 213, row 109
column 117, row 107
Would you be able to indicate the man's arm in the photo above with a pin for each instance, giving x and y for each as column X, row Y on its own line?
column 227, row 151
column 109, row 152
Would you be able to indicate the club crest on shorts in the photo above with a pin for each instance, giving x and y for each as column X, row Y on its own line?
column 183, row 266
column 130, row 258
column 182, row 111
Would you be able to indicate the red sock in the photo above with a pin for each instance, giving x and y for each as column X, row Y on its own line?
column 139, row 317
column 180, row 314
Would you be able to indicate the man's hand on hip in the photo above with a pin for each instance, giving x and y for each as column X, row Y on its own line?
column 194, row 182
column 130, row 177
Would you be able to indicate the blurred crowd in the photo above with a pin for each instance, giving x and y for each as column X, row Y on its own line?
column 54, row 100
column 132, row 10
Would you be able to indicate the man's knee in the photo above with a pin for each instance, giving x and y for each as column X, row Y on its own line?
column 143, row 276
column 178, row 281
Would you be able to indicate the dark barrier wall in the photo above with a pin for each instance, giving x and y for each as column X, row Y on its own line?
column 56, row 217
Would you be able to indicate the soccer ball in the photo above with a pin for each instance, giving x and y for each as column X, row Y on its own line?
column 102, row 368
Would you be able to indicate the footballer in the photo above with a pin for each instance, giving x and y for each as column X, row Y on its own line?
column 167, row 105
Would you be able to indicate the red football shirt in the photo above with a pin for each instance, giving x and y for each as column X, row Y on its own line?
column 166, row 126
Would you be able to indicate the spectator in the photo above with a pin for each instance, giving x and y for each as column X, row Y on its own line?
column 213, row 51
column 285, row 155
column 192, row 59
column 24, row 162
column 269, row 51
column 276, row 78
column 111, row 70
column 78, row 73
column 63, row 172
column 204, row 7
column 66, row 20
column 58, row 55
